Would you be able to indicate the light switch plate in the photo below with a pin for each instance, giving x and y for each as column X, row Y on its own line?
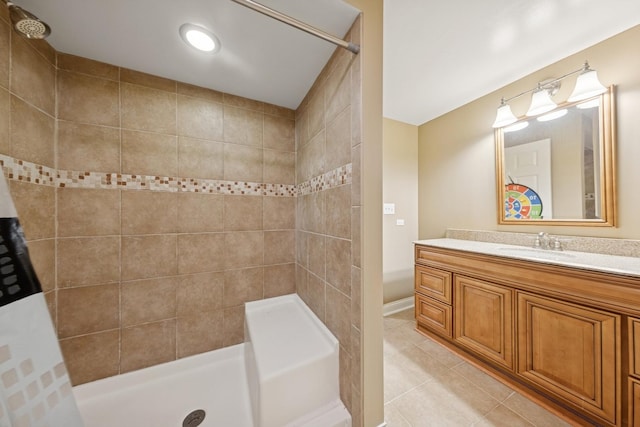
column 389, row 208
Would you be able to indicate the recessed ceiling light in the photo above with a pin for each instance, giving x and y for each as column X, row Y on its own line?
column 199, row 38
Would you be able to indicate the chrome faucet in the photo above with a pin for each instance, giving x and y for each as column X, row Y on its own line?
column 545, row 241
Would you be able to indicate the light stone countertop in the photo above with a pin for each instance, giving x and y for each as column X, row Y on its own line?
column 628, row 266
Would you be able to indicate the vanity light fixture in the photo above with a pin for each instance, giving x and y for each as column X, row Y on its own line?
column 587, row 86
column 516, row 127
column 589, row 104
column 199, row 38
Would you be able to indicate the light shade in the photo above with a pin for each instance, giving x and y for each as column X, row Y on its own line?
column 541, row 102
column 199, row 38
column 587, row 85
column 504, row 117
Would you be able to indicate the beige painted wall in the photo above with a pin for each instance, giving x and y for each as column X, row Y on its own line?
column 400, row 186
column 457, row 186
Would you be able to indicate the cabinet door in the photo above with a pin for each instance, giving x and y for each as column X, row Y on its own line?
column 571, row 351
column 484, row 319
column 434, row 283
column 634, row 403
column 634, row 346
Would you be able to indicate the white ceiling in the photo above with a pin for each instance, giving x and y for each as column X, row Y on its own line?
column 438, row 55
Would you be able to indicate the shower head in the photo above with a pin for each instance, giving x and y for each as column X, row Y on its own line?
column 27, row 24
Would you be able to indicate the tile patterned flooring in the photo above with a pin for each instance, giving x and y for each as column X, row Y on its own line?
column 427, row 385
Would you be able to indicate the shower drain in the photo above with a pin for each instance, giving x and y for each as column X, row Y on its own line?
column 194, row 419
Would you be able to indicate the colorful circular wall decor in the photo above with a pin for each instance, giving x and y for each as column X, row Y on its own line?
column 521, row 202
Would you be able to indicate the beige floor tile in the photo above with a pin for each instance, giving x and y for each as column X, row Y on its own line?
column 501, row 416
column 487, row 383
column 428, row 385
column 533, row 412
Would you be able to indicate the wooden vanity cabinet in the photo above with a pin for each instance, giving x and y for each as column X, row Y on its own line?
column 551, row 332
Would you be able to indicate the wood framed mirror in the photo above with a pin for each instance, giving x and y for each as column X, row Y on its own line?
column 559, row 170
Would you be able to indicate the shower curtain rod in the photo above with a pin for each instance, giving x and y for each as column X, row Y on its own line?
column 298, row 24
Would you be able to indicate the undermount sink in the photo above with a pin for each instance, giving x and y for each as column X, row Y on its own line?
column 537, row 253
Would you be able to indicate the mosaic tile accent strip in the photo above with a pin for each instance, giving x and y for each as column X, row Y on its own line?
column 20, row 170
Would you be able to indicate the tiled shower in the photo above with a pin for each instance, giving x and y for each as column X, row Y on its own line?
column 154, row 209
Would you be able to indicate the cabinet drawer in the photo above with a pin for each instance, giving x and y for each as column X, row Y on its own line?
column 434, row 283
column 634, row 347
column 433, row 315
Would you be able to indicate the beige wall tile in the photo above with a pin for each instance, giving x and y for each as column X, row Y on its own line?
column 5, row 50
column 5, row 121
column 147, row 80
column 313, row 212
column 86, row 99
column 147, row 345
column 88, row 148
column 316, row 114
column 32, row 133
column 198, row 253
column 279, row 133
column 344, row 364
column 356, row 233
column 200, row 332
column 339, row 264
column 198, row 293
column 199, row 158
column 43, row 48
column 279, row 280
column 233, row 325
column 302, row 128
column 143, row 108
column 276, row 110
column 279, row 167
column 88, row 261
column 87, row 66
column 338, row 312
column 88, row 309
column 243, row 285
column 243, row 126
column 338, row 150
column 243, row 249
column 149, row 153
column 246, row 103
column 200, row 212
column 338, row 91
column 33, row 77
column 42, row 254
column 148, row 300
column 356, row 103
column 302, row 285
column 52, row 302
column 316, row 296
column 145, row 257
column 356, row 186
column 200, row 118
column 242, row 213
column 302, row 251
column 310, row 158
column 279, row 247
column 92, row 357
column 242, row 163
column 35, row 205
column 200, row 92
column 279, row 213
column 88, row 212
column 338, row 216
column 149, row 212
column 356, row 295
column 317, row 254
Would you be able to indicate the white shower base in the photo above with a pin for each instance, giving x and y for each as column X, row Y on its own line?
column 285, row 375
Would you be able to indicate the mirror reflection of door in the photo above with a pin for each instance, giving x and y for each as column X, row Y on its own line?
column 530, row 164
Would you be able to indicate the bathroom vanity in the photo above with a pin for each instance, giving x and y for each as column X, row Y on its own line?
column 561, row 327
